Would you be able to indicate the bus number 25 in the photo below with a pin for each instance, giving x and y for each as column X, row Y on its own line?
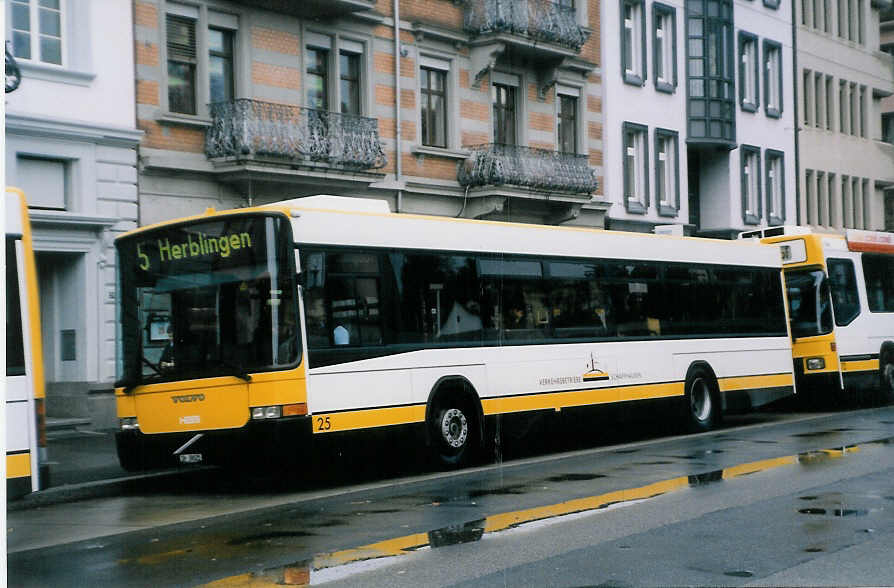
column 323, row 424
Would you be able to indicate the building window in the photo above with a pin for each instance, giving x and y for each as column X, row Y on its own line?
column 861, row 111
column 774, row 4
column 830, row 101
column 317, row 78
column 434, row 106
column 820, row 101
column 636, row 177
column 807, row 108
column 505, row 124
column 349, row 80
column 181, row 64
column 775, row 186
column 190, row 54
column 751, row 184
column 220, row 64
column 567, row 123
column 711, row 72
column 633, row 42
column 664, row 45
column 37, row 27
column 45, row 181
column 854, row 109
column 843, row 107
column 748, row 72
column 773, row 80
column 667, row 172
column 888, row 127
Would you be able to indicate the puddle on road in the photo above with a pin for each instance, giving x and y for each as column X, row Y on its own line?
column 342, row 564
column 268, row 537
column 575, row 477
column 739, row 574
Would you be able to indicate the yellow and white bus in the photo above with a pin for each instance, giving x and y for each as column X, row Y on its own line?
column 26, row 467
column 331, row 314
column 841, row 298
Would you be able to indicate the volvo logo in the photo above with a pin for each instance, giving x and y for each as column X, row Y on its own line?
column 188, row 398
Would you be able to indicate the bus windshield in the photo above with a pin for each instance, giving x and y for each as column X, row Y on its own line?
column 207, row 299
column 809, row 303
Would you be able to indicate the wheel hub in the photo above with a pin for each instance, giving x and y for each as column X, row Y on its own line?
column 700, row 400
column 454, row 428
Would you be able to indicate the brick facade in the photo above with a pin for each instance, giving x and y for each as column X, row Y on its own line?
column 274, row 70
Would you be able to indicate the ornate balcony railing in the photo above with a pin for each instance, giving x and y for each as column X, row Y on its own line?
column 250, row 129
column 540, row 20
column 537, row 169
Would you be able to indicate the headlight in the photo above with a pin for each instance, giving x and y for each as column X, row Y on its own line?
column 816, row 363
column 129, row 424
column 266, row 412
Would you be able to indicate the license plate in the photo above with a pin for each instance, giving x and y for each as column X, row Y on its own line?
column 190, row 458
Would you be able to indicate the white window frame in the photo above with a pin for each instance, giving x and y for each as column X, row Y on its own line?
column 775, row 169
column 749, row 95
column 335, row 43
column 664, row 37
column 633, row 61
column 35, row 34
column 204, row 19
column 667, row 187
column 579, row 130
column 773, row 79
column 751, row 184
column 635, row 167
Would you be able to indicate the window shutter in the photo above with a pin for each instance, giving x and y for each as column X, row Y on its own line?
column 181, row 38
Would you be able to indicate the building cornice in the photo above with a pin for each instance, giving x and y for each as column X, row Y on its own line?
column 58, row 128
column 61, row 218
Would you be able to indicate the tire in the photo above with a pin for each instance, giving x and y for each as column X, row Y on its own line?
column 702, row 400
column 886, row 377
column 453, row 426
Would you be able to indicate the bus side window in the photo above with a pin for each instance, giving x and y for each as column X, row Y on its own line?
column 15, row 348
column 844, row 290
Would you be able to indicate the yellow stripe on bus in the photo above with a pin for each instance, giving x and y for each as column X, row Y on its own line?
column 18, row 465
column 560, row 400
column 752, row 382
column 364, row 419
column 864, row 365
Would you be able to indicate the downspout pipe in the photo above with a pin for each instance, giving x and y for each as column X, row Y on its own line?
column 798, row 115
column 397, row 146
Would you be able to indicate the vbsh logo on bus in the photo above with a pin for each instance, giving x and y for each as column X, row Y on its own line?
column 200, row 246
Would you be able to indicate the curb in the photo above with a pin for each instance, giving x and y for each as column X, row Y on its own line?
column 112, row 487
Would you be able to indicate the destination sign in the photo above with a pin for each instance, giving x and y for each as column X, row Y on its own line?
column 164, row 250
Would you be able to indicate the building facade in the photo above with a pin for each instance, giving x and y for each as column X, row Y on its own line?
column 699, row 115
column 844, row 79
column 498, row 106
column 71, row 145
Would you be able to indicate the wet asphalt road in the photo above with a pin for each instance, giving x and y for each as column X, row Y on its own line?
column 775, row 499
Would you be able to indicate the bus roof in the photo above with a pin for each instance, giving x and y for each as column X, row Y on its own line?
column 359, row 222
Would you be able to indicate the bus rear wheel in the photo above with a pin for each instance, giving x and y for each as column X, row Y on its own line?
column 886, row 373
column 453, row 427
column 702, row 400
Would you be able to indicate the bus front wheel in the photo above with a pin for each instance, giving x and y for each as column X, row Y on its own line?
column 454, row 431
column 702, row 400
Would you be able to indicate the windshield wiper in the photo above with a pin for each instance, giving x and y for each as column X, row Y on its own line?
column 238, row 369
column 154, row 367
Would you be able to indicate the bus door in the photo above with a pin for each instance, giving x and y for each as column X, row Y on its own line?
column 25, row 442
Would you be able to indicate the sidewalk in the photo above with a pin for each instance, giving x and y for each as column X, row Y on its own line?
column 83, row 464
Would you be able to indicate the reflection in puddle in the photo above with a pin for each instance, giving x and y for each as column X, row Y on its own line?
column 341, row 564
column 268, row 537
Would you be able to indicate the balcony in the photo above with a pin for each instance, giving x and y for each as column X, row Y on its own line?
column 251, row 130
column 539, row 170
column 311, row 8
column 542, row 21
